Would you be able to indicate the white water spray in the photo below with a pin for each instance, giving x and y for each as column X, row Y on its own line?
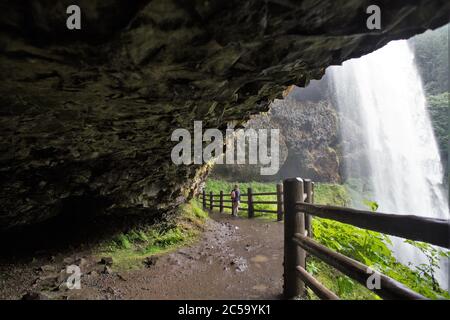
column 388, row 134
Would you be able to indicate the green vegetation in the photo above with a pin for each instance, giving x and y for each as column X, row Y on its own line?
column 129, row 249
column 431, row 55
column 368, row 247
column 332, row 194
column 371, row 248
column 438, row 106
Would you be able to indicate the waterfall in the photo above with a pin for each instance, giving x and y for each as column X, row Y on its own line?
column 388, row 141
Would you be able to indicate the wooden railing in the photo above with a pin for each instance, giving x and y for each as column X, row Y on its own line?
column 298, row 242
column 220, row 201
column 295, row 202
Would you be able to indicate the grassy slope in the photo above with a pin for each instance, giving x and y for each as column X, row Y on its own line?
column 128, row 250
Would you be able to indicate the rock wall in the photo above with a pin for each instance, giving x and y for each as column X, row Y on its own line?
column 309, row 139
column 313, row 149
column 86, row 116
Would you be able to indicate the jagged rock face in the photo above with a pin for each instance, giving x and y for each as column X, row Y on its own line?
column 86, row 116
column 252, row 172
column 311, row 131
column 307, row 146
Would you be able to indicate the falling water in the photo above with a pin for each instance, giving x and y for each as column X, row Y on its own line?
column 388, row 139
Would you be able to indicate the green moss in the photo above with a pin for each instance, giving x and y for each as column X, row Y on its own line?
column 129, row 249
column 122, row 241
column 331, row 194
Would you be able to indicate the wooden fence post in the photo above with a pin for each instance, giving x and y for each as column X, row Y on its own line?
column 211, row 200
column 251, row 212
column 280, row 202
column 221, row 202
column 204, row 199
column 294, row 222
column 308, row 217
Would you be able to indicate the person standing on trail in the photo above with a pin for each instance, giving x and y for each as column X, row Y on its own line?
column 235, row 200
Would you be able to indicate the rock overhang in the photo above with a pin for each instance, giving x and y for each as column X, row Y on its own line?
column 88, row 116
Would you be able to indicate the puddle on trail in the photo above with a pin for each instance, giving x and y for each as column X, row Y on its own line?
column 259, row 259
column 260, row 287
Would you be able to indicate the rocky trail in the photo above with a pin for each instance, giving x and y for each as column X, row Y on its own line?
column 235, row 258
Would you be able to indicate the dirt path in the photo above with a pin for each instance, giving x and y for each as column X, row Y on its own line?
column 235, row 259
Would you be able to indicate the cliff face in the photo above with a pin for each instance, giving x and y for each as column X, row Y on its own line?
column 308, row 142
column 86, row 116
column 312, row 149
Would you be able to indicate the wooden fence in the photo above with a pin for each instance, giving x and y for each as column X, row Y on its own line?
column 295, row 202
column 221, row 201
column 298, row 243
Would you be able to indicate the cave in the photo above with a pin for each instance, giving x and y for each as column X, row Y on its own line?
column 87, row 114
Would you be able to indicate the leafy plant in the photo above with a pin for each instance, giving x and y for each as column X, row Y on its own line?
column 371, row 204
column 345, row 285
column 433, row 255
column 371, row 248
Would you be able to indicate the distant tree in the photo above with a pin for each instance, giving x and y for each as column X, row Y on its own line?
column 431, row 50
column 432, row 59
column 438, row 106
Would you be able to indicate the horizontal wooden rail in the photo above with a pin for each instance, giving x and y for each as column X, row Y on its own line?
column 265, row 202
column 433, row 231
column 218, row 196
column 319, row 289
column 230, row 207
column 389, row 288
column 265, row 211
column 240, row 209
column 265, row 194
